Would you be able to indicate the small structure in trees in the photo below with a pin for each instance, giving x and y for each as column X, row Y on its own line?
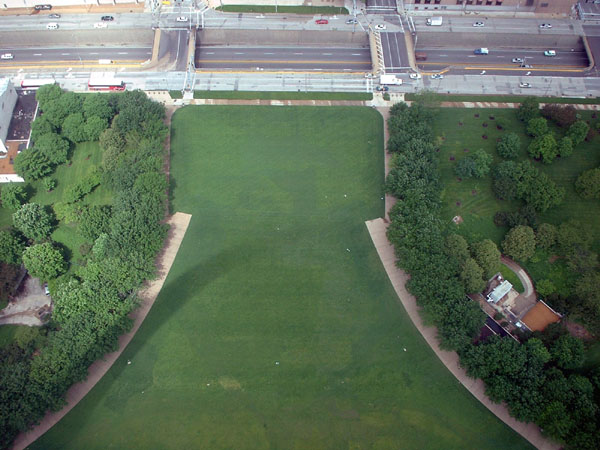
column 540, row 316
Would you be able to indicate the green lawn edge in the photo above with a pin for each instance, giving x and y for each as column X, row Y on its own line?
column 504, row 98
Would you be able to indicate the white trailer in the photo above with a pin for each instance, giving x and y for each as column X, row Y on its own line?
column 390, row 79
column 434, row 21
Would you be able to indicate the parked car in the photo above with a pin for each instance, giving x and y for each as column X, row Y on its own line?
column 7, row 56
column 517, row 60
column 42, row 7
column 550, row 53
column 437, row 76
column 321, row 21
column 100, row 25
column 524, row 85
column 380, row 26
column 46, row 289
column 52, row 26
column 351, row 21
column 182, row 19
column 107, row 18
column 479, row 24
column 382, row 88
column 54, row 16
column 545, row 25
column 415, row 76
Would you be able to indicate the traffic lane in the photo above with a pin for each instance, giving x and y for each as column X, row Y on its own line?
column 74, row 21
column 76, row 53
column 594, row 45
column 181, row 55
column 497, row 57
column 395, row 54
column 528, row 26
column 290, row 57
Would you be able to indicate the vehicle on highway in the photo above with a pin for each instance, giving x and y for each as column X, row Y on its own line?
column 434, row 21
column 181, row 19
column 321, row 21
column 107, row 18
column 479, row 24
column 481, row 51
column 390, row 79
column 420, row 56
column 380, row 26
column 550, row 53
column 525, row 66
column 415, row 76
column 54, row 16
column 518, row 60
column 437, row 76
column 524, row 85
column 42, row 7
column 7, row 56
column 382, row 88
column 545, row 25
column 52, row 26
column 351, row 21
column 100, row 25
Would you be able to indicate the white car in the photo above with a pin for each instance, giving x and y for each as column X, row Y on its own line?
column 7, row 56
column 524, row 85
column 545, row 25
column 415, row 76
column 479, row 24
column 100, row 25
column 380, row 26
column 437, row 76
column 517, row 60
column 550, row 53
column 182, row 19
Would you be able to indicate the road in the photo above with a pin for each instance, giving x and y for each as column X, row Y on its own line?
column 500, row 25
column 41, row 54
column 284, row 58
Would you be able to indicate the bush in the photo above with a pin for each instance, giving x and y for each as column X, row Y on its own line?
column 588, row 184
column 77, row 191
column 13, row 196
column 509, row 146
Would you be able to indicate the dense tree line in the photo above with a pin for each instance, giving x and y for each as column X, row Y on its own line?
column 92, row 303
column 541, row 379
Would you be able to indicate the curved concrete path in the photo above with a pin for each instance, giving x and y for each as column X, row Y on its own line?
column 178, row 223
column 520, row 272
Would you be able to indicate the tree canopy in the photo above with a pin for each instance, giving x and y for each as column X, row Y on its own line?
column 44, row 261
column 33, row 221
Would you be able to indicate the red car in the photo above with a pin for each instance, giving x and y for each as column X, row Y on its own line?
column 322, row 22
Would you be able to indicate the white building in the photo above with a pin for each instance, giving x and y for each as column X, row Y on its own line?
column 8, row 100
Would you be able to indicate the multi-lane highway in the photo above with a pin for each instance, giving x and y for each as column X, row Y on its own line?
column 284, row 58
column 69, row 54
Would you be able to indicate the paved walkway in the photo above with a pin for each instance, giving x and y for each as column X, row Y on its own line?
column 377, row 229
column 520, row 272
column 27, row 306
column 178, row 223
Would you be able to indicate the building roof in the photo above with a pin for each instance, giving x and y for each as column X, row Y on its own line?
column 500, row 291
column 4, row 83
column 540, row 316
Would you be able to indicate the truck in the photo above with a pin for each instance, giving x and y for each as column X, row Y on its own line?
column 434, row 21
column 481, row 51
column 389, row 79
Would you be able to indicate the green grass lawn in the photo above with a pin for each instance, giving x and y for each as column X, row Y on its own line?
column 474, row 201
column 277, row 326
column 7, row 334
column 512, row 277
column 505, row 98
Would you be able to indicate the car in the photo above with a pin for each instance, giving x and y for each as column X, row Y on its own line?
column 380, row 26
column 479, row 24
column 481, row 51
column 382, row 88
column 54, row 16
column 7, row 56
column 524, row 85
column 415, row 76
column 550, row 53
column 42, row 7
column 321, row 21
column 52, row 26
column 351, row 21
column 46, row 289
column 437, row 76
column 100, row 25
column 182, row 19
column 525, row 66
column 368, row 75
column 518, row 60
column 545, row 25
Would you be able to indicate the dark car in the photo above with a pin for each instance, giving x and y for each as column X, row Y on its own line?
column 42, row 7
column 382, row 88
column 54, row 16
column 107, row 18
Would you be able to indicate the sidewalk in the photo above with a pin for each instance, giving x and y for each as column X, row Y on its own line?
column 76, row 9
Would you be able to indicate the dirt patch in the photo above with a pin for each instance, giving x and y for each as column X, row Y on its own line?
column 578, row 331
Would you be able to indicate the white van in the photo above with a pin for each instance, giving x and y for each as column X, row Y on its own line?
column 52, row 26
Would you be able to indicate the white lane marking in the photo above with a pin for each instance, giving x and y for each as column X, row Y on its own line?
column 298, row 53
column 326, row 54
column 239, row 53
column 356, row 54
column 121, row 53
column 65, row 54
column 210, row 53
column 266, row 53
column 37, row 54
column 94, row 53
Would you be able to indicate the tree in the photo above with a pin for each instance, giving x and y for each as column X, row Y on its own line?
column 457, row 249
column 94, row 126
column 33, row 221
column 11, row 247
column 519, row 243
column 544, row 147
column 47, row 94
column 529, row 108
column 578, row 132
column 545, row 237
column 545, row 288
column 477, row 165
column 487, row 255
column 465, row 168
column 472, row 276
column 564, row 116
column 537, row 127
column 73, row 128
column 48, row 183
column 565, row 147
column 588, row 184
column 542, row 193
column 13, row 196
column 31, row 164
column 509, row 146
column 54, row 148
column 568, row 352
column 98, row 105
column 94, row 221
column 43, row 261
column 40, row 126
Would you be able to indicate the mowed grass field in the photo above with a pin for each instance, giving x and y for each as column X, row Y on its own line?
column 277, row 327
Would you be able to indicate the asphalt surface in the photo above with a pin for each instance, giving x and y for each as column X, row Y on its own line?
column 36, row 55
column 284, row 58
column 395, row 55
